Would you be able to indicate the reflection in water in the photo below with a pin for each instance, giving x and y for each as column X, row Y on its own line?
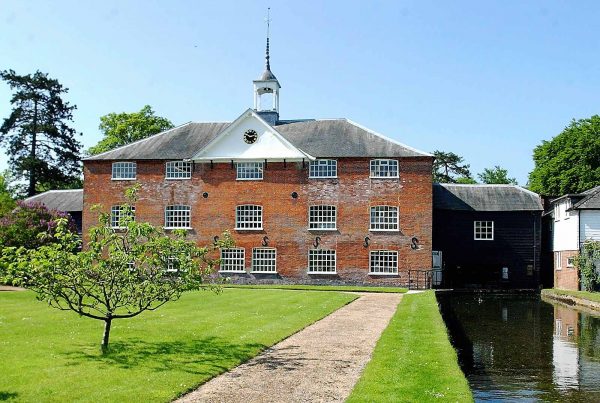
column 517, row 347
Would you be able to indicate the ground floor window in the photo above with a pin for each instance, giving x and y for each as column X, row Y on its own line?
column 570, row 262
column 483, row 230
column 232, row 260
column 321, row 261
column 118, row 215
column 557, row 260
column 383, row 262
column 264, row 260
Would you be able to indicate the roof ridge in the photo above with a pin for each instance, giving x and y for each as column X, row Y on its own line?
column 137, row 141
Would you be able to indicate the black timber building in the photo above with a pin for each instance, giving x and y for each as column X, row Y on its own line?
column 487, row 236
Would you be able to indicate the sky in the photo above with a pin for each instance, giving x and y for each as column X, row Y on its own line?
column 488, row 80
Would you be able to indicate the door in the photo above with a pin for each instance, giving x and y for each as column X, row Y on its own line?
column 436, row 265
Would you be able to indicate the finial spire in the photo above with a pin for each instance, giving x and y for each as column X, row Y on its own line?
column 268, row 20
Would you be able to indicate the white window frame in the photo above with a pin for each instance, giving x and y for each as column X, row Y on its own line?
column 558, row 260
column 122, row 167
column 316, row 256
column 383, row 256
column 261, row 263
column 115, row 216
column 171, row 265
column 329, row 166
column 233, row 260
column 252, row 222
column 315, row 217
column 376, row 164
column 178, row 221
column 479, row 234
column 570, row 262
column 387, row 209
column 249, row 171
column 178, row 170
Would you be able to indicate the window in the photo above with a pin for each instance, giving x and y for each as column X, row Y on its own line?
column 484, row 230
column 172, row 265
column 570, row 262
column 117, row 214
column 232, row 260
column 177, row 216
column 384, row 168
column 123, row 170
column 323, row 169
column 557, row 260
column 264, row 260
column 178, row 170
column 384, row 218
column 322, row 217
column 248, row 216
column 383, row 262
column 249, row 170
column 321, row 261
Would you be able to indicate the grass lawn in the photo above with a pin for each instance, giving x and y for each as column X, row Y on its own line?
column 413, row 360
column 51, row 355
column 590, row 296
column 348, row 288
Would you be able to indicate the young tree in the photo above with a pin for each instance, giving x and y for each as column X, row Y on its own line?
column 496, row 175
column 121, row 272
column 570, row 162
column 7, row 203
column 41, row 144
column 449, row 167
column 124, row 128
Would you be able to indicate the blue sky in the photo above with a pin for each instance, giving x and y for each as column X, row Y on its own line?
column 488, row 80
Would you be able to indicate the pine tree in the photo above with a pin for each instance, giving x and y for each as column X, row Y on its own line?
column 40, row 143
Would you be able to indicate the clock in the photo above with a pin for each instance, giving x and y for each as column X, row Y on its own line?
column 250, row 136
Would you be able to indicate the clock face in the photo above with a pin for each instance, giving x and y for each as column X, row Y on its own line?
column 250, row 136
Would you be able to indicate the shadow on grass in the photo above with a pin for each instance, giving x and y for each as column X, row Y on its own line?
column 206, row 356
column 4, row 395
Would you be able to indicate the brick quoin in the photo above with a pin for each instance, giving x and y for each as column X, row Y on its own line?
column 285, row 219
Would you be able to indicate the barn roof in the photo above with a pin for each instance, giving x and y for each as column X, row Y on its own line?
column 449, row 196
column 61, row 200
column 590, row 200
column 320, row 138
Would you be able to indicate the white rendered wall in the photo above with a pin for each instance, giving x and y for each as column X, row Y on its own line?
column 566, row 229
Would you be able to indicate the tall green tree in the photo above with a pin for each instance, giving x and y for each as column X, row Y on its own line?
column 570, row 162
column 496, row 175
column 450, row 168
column 40, row 143
column 7, row 203
column 124, row 128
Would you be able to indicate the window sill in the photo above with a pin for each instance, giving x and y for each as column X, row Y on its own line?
column 248, row 229
column 322, row 272
column 384, row 177
column 178, row 179
column 172, row 228
column 232, row 271
column 322, row 177
column 263, row 272
column 123, row 179
column 384, row 230
column 477, row 239
column 322, row 229
column 383, row 274
column 249, row 179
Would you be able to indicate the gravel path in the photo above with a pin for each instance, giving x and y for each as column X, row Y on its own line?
column 320, row 363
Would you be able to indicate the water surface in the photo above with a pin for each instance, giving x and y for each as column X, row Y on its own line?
column 517, row 347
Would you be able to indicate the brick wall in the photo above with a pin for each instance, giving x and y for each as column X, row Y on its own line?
column 285, row 219
column 566, row 277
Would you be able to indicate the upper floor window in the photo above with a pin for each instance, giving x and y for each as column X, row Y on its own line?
column 178, row 170
column 118, row 216
column 232, row 260
column 381, row 168
column 249, row 217
column 178, row 216
column 384, row 218
column 484, row 230
column 322, row 217
column 123, row 170
column 383, row 262
column 264, row 260
column 323, row 169
column 249, row 170
column 321, row 261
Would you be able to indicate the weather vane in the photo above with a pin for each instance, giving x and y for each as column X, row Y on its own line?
column 268, row 20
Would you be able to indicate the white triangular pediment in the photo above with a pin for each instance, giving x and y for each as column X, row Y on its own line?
column 230, row 145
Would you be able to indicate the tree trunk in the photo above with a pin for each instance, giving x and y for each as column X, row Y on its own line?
column 32, row 153
column 106, row 336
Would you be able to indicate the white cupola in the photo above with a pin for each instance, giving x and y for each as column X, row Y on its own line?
column 266, row 91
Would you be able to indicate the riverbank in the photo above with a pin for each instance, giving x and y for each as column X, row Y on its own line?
column 589, row 300
column 413, row 360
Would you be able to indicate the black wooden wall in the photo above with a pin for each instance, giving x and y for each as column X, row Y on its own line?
column 478, row 264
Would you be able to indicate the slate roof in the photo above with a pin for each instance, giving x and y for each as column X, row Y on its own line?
column 319, row 138
column 590, row 201
column 61, row 200
column 449, row 196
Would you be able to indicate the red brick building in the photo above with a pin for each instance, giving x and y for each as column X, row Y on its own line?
column 311, row 201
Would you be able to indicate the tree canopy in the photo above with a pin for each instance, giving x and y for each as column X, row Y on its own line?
column 570, row 162
column 124, row 128
column 6, row 201
column 40, row 143
column 450, row 168
column 496, row 175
